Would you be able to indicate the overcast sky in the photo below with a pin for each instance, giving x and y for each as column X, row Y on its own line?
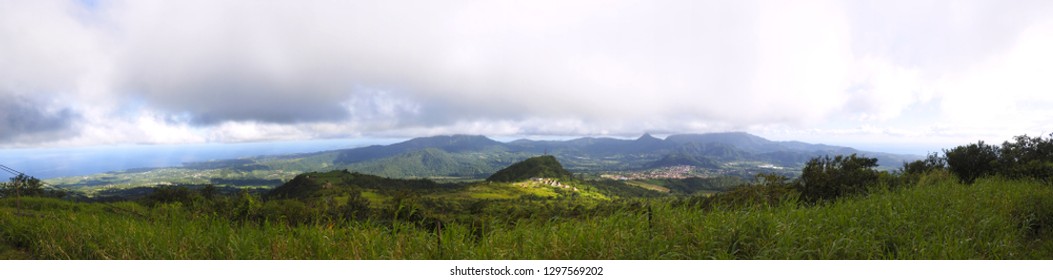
column 907, row 73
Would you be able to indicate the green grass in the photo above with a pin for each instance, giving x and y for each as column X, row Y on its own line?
column 937, row 219
column 648, row 186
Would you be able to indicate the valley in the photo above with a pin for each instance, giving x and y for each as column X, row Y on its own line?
column 464, row 158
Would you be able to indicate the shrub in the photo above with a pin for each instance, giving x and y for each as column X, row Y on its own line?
column 1028, row 157
column 23, row 185
column 356, row 208
column 170, row 194
column 932, row 162
column 769, row 191
column 289, row 211
column 826, row 178
column 972, row 161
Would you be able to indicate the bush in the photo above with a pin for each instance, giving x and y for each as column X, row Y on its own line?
column 932, row 162
column 289, row 211
column 826, row 178
column 972, row 161
column 771, row 190
column 1028, row 157
column 170, row 194
column 23, row 185
column 356, row 208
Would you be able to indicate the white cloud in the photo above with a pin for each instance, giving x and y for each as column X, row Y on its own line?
column 199, row 71
column 1008, row 94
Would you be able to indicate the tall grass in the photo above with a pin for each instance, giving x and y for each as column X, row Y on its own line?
column 938, row 218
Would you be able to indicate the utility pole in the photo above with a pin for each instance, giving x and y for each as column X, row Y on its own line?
column 18, row 196
column 19, row 177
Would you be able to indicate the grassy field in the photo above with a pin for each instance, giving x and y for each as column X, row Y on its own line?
column 938, row 218
column 649, row 186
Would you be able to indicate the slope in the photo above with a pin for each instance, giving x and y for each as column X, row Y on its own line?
column 535, row 167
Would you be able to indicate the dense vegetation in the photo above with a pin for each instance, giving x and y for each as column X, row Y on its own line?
column 939, row 218
column 991, row 203
column 535, row 167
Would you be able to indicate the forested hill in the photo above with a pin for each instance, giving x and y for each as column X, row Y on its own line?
column 535, row 167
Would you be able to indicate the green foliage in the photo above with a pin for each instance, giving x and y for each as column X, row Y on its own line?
column 695, row 185
column 315, row 185
column 171, row 194
column 911, row 172
column 431, row 162
column 1028, row 157
column 344, row 215
column 770, row 190
column 616, row 188
column 937, row 219
column 972, row 161
column 931, row 163
column 1035, row 215
column 286, row 211
column 535, row 167
column 678, row 159
column 23, row 185
column 826, row 178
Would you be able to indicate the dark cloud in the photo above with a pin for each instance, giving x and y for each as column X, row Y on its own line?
column 23, row 119
column 215, row 101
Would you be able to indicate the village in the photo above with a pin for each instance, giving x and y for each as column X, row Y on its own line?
column 672, row 172
column 552, row 183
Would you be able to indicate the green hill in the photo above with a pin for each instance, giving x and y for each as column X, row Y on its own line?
column 535, row 167
column 430, row 162
column 339, row 183
column 683, row 159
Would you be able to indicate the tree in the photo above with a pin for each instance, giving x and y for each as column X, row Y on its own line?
column 170, row 194
column 23, row 185
column 1028, row 157
column 972, row 161
column 209, row 191
column 356, row 207
column 932, row 162
column 825, row 178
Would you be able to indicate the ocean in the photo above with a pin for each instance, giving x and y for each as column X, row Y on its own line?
column 45, row 163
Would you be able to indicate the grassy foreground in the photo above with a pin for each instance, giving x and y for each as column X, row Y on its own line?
column 938, row 218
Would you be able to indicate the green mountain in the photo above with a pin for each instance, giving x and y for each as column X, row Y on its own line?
column 429, row 162
column 535, row 167
column 451, row 144
column 314, row 185
column 679, row 159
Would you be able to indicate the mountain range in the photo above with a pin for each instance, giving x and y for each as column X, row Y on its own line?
column 474, row 156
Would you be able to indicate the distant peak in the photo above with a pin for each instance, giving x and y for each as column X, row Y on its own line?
column 455, row 137
column 647, row 137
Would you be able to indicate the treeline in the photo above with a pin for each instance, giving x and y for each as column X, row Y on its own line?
column 1026, row 157
column 23, row 185
column 827, row 178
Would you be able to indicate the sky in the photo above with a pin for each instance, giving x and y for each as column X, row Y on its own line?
column 896, row 75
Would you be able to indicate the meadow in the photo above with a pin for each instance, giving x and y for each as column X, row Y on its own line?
column 934, row 217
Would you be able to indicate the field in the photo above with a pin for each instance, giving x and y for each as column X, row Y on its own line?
column 936, row 218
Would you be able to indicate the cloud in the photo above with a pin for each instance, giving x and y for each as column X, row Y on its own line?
column 200, row 71
column 460, row 61
column 23, row 119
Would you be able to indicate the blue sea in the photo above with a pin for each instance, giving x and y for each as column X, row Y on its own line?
column 47, row 163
